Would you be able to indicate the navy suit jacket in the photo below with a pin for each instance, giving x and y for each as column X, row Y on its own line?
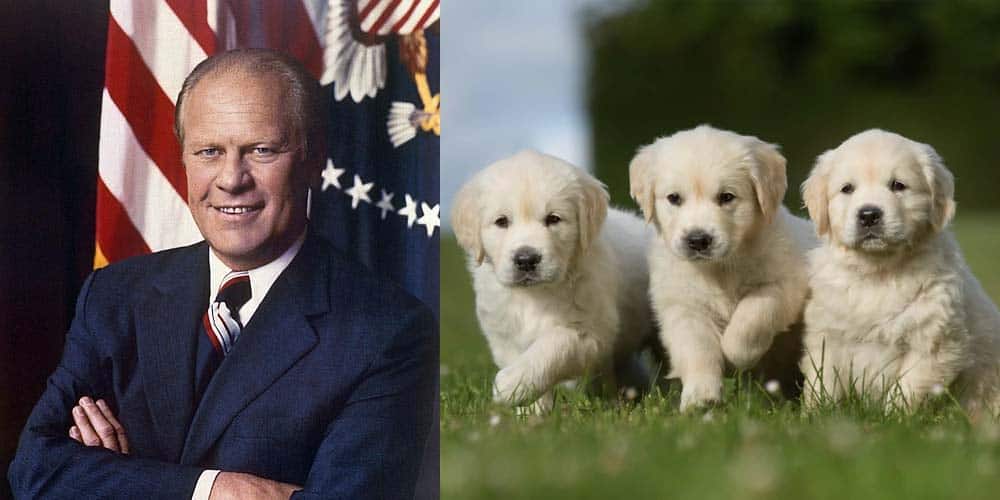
column 330, row 386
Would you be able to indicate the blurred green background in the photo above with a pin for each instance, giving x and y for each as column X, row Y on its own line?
column 804, row 75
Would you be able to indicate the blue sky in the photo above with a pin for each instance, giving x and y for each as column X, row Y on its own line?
column 511, row 78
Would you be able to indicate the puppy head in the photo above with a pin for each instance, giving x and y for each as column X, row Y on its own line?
column 707, row 190
column 879, row 191
column 529, row 216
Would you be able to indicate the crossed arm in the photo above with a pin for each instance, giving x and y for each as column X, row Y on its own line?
column 95, row 425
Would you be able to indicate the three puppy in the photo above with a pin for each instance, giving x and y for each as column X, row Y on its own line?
column 893, row 311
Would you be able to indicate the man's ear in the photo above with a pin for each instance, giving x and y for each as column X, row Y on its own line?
column 767, row 173
column 592, row 208
column 465, row 220
column 641, row 183
column 942, row 185
column 814, row 193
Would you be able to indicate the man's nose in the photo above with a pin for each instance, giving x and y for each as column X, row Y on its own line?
column 234, row 174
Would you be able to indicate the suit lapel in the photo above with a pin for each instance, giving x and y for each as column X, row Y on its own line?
column 278, row 335
column 166, row 334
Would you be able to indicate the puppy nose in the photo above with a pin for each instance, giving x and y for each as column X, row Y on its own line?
column 869, row 215
column 698, row 240
column 526, row 259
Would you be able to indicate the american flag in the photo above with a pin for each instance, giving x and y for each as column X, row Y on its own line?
column 384, row 142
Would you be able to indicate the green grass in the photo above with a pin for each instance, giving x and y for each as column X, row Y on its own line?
column 754, row 446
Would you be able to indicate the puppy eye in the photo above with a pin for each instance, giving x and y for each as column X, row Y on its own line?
column 726, row 198
column 552, row 219
column 674, row 199
column 897, row 186
column 501, row 222
column 847, row 189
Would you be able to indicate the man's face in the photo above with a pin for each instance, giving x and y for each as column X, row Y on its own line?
column 247, row 180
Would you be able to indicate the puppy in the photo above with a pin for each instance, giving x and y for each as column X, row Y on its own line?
column 728, row 272
column 560, row 292
column 895, row 312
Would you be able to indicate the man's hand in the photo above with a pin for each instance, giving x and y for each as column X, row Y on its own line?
column 97, row 426
column 237, row 485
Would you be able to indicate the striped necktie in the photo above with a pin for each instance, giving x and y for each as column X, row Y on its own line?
column 222, row 319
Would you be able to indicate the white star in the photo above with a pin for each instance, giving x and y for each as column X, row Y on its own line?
column 331, row 175
column 385, row 204
column 359, row 191
column 409, row 211
column 430, row 219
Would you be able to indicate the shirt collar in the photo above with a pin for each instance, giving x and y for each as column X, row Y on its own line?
column 261, row 278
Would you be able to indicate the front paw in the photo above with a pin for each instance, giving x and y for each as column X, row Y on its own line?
column 741, row 351
column 700, row 393
column 512, row 386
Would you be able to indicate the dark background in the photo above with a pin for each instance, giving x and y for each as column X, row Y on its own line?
column 805, row 75
column 51, row 78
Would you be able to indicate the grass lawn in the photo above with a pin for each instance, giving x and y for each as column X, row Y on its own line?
column 752, row 447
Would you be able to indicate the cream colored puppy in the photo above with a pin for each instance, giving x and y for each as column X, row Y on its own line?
column 894, row 311
column 728, row 272
column 560, row 291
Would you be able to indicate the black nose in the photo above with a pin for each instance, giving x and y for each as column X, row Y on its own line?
column 869, row 215
column 698, row 240
column 526, row 259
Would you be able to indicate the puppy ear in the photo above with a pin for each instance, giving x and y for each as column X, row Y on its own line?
column 465, row 220
column 640, row 179
column 768, row 176
column 814, row 193
column 942, row 185
column 592, row 209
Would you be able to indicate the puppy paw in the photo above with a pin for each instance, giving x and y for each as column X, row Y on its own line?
column 700, row 393
column 741, row 352
column 512, row 386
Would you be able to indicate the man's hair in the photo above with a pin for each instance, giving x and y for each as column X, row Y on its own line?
column 302, row 93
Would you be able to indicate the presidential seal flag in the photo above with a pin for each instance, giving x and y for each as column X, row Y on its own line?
column 378, row 200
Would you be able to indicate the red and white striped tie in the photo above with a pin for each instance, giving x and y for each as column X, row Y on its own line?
column 222, row 320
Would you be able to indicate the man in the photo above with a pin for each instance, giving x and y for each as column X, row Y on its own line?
column 259, row 363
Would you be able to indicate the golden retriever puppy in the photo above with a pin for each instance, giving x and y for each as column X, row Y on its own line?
column 895, row 312
column 728, row 272
column 560, row 291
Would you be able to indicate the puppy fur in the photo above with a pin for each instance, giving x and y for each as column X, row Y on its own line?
column 728, row 271
column 560, row 291
column 895, row 312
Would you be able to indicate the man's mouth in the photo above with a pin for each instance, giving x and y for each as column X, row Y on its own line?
column 237, row 209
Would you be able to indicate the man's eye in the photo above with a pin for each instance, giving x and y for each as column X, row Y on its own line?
column 263, row 150
column 207, row 152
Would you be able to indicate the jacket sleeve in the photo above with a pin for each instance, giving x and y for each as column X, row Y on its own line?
column 49, row 464
column 374, row 447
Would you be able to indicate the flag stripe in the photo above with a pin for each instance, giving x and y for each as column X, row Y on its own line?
column 194, row 15
column 161, row 41
column 429, row 16
column 386, row 14
column 148, row 110
column 402, row 20
column 154, row 207
column 316, row 10
column 367, row 9
column 116, row 235
column 304, row 43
